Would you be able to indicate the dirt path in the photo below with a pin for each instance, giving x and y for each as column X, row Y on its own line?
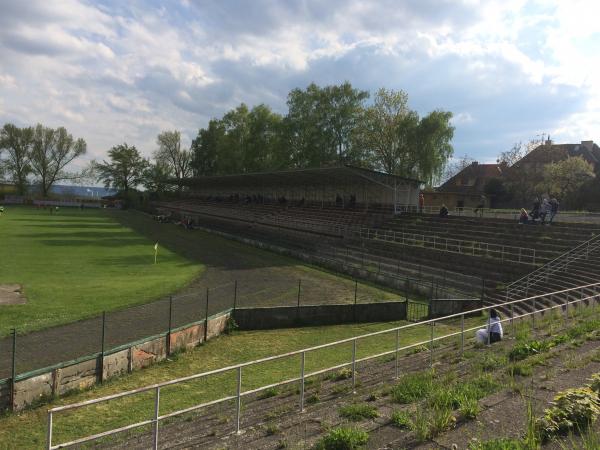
column 232, row 270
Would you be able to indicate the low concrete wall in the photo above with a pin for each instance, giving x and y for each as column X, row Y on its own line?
column 86, row 372
column 315, row 315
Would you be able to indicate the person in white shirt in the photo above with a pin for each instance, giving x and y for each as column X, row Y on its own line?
column 492, row 332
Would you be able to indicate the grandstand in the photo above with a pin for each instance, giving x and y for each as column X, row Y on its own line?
column 357, row 217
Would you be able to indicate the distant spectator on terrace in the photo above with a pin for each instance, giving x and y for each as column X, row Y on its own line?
column 421, row 203
column 544, row 210
column 535, row 211
column 338, row 200
column 553, row 209
column 492, row 332
column 524, row 217
column 443, row 211
column 480, row 206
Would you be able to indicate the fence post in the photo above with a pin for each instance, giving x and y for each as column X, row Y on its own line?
column 354, row 366
column 238, row 400
column 170, row 324
column 397, row 352
column 302, row 366
column 49, row 431
column 206, row 318
column 13, row 375
column 235, row 295
column 299, row 287
column 533, row 315
column 462, row 335
column 155, row 424
column 102, row 346
column 431, row 346
column 512, row 319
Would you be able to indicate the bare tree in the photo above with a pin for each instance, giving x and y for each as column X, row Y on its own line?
column 53, row 150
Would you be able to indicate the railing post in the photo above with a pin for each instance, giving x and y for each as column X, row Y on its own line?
column 49, row 431
column 13, row 375
column 354, row 366
column 512, row 319
column 533, row 314
column 170, row 324
column 102, row 346
column 155, row 424
column 238, row 400
column 567, row 307
column 302, row 366
column 462, row 335
column 431, row 346
column 397, row 352
column 206, row 318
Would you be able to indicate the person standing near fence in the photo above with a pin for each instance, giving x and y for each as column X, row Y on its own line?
column 421, row 203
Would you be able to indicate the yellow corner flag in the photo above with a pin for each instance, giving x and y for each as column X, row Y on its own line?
column 155, row 251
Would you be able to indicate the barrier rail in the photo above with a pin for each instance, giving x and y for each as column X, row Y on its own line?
column 511, row 214
column 562, row 262
column 238, row 368
column 464, row 247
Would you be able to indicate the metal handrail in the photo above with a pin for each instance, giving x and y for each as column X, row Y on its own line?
column 238, row 367
column 509, row 253
column 558, row 263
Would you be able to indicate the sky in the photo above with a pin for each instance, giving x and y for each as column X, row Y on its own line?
column 114, row 72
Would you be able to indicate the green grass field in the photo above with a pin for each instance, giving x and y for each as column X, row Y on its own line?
column 220, row 352
column 76, row 263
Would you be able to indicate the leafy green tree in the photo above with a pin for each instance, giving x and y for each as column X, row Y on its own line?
column 156, row 177
column 171, row 156
column 124, row 171
column 564, row 178
column 52, row 151
column 18, row 143
column 205, row 148
column 398, row 142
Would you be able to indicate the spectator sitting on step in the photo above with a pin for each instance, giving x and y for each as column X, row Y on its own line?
column 443, row 211
column 524, row 217
column 492, row 332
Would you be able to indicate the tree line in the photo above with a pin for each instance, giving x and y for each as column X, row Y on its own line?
column 327, row 126
column 324, row 126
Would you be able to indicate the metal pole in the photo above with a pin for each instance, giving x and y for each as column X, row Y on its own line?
column 238, row 400
column 102, row 347
column 206, row 318
column 354, row 366
column 431, row 346
column 355, row 290
column 462, row 335
column 13, row 376
column 397, row 353
column 235, row 295
column 302, row 366
column 512, row 319
column 533, row 315
column 156, row 409
column 49, row 432
column 170, row 324
column 299, row 287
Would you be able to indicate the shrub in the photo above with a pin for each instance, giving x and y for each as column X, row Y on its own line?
column 402, row 420
column 268, row 393
column 595, row 383
column 231, row 325
column 573, row 410
column 413, row 387
column 342, row 374
column 312, row 399
column 343, row 439
column 358, row 412
column 524, row 349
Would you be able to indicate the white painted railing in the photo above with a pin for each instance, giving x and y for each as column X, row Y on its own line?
column 238, row 368
column 465, row 247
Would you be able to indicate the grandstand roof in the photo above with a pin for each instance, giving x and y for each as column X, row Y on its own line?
column 315, row 177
